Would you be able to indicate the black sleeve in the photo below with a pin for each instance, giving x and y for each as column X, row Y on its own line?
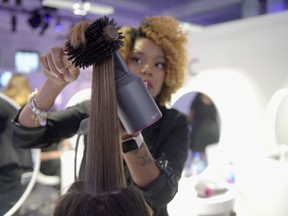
column 172, row 157
column 60, row 125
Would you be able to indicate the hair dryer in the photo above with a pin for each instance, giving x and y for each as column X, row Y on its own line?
column 136, row 107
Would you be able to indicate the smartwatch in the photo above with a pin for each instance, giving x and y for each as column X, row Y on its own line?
column 132, row 144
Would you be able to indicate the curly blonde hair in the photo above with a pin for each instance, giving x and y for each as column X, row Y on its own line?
column 164, row 31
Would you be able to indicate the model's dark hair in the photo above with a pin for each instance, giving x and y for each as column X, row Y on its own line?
column 103, row 191
column 127, row 202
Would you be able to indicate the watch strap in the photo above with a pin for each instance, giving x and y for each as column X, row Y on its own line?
column 132, row 143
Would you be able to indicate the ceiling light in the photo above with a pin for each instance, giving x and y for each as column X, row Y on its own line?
column 76, row 6
column 86, row 6
column 80, row 7
column 80, row 12
column 46, row 22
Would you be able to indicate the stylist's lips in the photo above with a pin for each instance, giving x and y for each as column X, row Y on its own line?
column 148, row 85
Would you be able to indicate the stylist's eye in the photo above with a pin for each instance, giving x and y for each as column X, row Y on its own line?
column 160, row 65
column 136, row 60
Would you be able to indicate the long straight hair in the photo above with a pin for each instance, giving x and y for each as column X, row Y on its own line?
column 104, row 163
column 107, row 172
column 104, row 191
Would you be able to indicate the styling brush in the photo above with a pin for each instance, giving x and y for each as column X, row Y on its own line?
column 135, row 106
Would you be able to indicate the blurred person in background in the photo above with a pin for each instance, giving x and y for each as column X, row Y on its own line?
column 16, row 164
column 18, row 89
column 44, row 192
column 205, row 131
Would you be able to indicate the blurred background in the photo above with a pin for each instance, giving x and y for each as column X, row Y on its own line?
column 30, row 27
column 238, row 54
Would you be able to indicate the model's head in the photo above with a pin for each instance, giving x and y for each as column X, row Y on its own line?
column 126, row 202
column 156, row 52
column 18, row 89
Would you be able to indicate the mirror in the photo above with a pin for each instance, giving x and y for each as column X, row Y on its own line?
column 276, row 119
column 281, row 122
column 68, row 158
column 18, row 167
column 204, row 129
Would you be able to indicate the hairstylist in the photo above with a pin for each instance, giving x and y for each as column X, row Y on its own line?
column 156, row 52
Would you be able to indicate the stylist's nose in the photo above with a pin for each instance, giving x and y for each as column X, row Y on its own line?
column 146, row 70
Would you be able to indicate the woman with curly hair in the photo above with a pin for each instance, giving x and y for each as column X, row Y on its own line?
column 153, row 158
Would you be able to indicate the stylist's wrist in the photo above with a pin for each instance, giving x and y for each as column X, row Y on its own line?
column 126, row 136
column 49, row 91
column 57, row 83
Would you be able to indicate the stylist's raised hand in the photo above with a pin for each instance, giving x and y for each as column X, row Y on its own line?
column 58, row 68
column 125, row 135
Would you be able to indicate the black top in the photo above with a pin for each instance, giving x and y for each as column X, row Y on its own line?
column 166, row 138
column 51, row 167
column 14, row 161
column 11, row 154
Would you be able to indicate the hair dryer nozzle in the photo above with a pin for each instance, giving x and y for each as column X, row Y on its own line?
column 136, row 107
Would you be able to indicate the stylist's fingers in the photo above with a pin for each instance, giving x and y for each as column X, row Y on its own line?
column 67, row 63
column 57, row 53
column 63, row 65
column 71, row 74
column 44, row 62
column 50, row 72
column 126, row 136
column 50, row 64
column 53, row 70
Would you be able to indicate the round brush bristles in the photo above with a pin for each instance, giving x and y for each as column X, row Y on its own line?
column 99, row 43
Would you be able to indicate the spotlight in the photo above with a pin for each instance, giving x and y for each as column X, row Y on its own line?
column 47, row 18
column 58, row 27
column 44, row 28
column 46, row 22
column 14, row 22
column 35, row 19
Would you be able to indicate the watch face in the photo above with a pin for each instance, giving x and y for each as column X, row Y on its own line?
column 129, row 145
